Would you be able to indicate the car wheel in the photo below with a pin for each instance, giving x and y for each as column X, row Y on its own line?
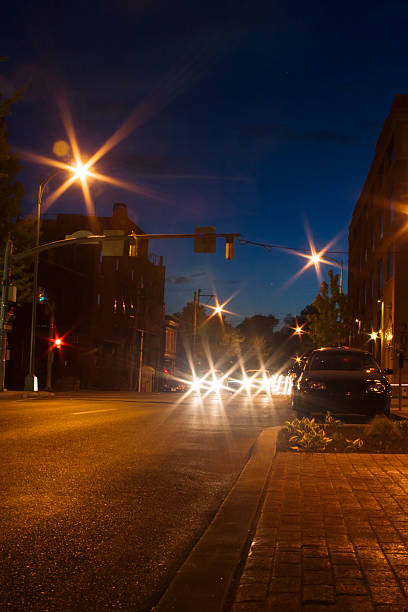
column 296, row 407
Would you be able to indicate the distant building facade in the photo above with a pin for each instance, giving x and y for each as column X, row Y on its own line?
column 378, row 247
column 108, row 303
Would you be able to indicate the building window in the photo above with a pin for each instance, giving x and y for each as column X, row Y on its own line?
column 391, row 151
column 98, row 299
column 373, row 240
column 372, row 285
column 365, row 255
column 392, row 206
column 132, row 249
column 381, row 174
column 381, row 232
column 365, row 293
column 390, row 263
column 132, row 275
column 380, row 275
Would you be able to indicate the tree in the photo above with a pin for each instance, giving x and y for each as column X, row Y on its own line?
column 11, row 190
column 329, row 324
column 11, row 198
column 216, row 339
column 259, row 334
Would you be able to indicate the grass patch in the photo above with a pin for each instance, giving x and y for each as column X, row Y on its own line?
column 381, row 435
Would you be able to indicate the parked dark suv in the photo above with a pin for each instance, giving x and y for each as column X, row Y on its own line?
column 342, row 381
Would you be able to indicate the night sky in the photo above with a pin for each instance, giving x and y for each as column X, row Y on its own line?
column 252, row 117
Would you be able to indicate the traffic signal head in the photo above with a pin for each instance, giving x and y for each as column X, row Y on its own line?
column 42, row 296
column 57, row 343
column 229, row 247
column 205, row 241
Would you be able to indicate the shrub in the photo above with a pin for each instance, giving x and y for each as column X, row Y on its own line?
column 308, row 435
column 387, row 433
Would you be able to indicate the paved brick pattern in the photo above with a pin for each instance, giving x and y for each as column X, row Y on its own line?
column 332, row 535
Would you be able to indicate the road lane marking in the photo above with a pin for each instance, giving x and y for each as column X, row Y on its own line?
column 92, row 411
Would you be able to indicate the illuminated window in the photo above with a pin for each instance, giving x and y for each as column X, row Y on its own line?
column 390, row 262
column 98, row 299
column 392, row 208
column 132, row 249
column 380, row 275
column 381, row 174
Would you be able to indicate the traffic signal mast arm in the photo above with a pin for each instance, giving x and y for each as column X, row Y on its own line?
column 94, row 239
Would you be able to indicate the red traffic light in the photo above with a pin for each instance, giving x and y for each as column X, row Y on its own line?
column 57, row 343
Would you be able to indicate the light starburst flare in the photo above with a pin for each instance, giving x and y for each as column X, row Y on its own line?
column 81, row 171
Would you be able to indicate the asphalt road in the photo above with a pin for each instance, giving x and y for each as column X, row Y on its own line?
column 103, row 496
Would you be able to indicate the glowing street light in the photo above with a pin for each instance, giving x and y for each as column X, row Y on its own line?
column 316, row 259
column 298, row 329
column 80, row 172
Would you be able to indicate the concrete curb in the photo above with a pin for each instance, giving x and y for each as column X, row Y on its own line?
column 203, row 581
column 17, row 395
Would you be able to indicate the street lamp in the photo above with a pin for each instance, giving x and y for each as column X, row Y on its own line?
column 79, row 172
column 316, row 258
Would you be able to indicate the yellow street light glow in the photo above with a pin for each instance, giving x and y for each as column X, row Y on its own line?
column 80, row 171
column 314, row 258
column 373, row 335
column 298, row 329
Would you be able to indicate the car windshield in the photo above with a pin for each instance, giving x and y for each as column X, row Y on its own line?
column 342, row 361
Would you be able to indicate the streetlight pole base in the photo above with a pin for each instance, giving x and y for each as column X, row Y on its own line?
column 31, row 383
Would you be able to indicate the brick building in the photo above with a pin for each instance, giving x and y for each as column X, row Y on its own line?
column 104, row 296
column 378, row 246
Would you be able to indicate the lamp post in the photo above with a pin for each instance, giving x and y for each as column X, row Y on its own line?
column 31, row 383
column 3, row 307
column 380, row 301
column 196, row 304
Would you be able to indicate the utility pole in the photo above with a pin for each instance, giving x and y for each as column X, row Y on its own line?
column 139, row 385
column 196, row 306
column 50, row 356
column 3, row 307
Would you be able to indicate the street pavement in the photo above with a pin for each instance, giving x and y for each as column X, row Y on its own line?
column 103, row 495
column 310, row 531
column 325, row 532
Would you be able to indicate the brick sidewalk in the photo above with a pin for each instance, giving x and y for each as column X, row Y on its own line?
column 332, row 535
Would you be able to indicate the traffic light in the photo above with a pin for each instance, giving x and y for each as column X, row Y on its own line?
column 229, row 247
column 42, row 296
column 57, row 343
column 204, row 241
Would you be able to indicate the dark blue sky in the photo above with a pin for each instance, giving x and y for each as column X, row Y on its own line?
column 257, row 116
